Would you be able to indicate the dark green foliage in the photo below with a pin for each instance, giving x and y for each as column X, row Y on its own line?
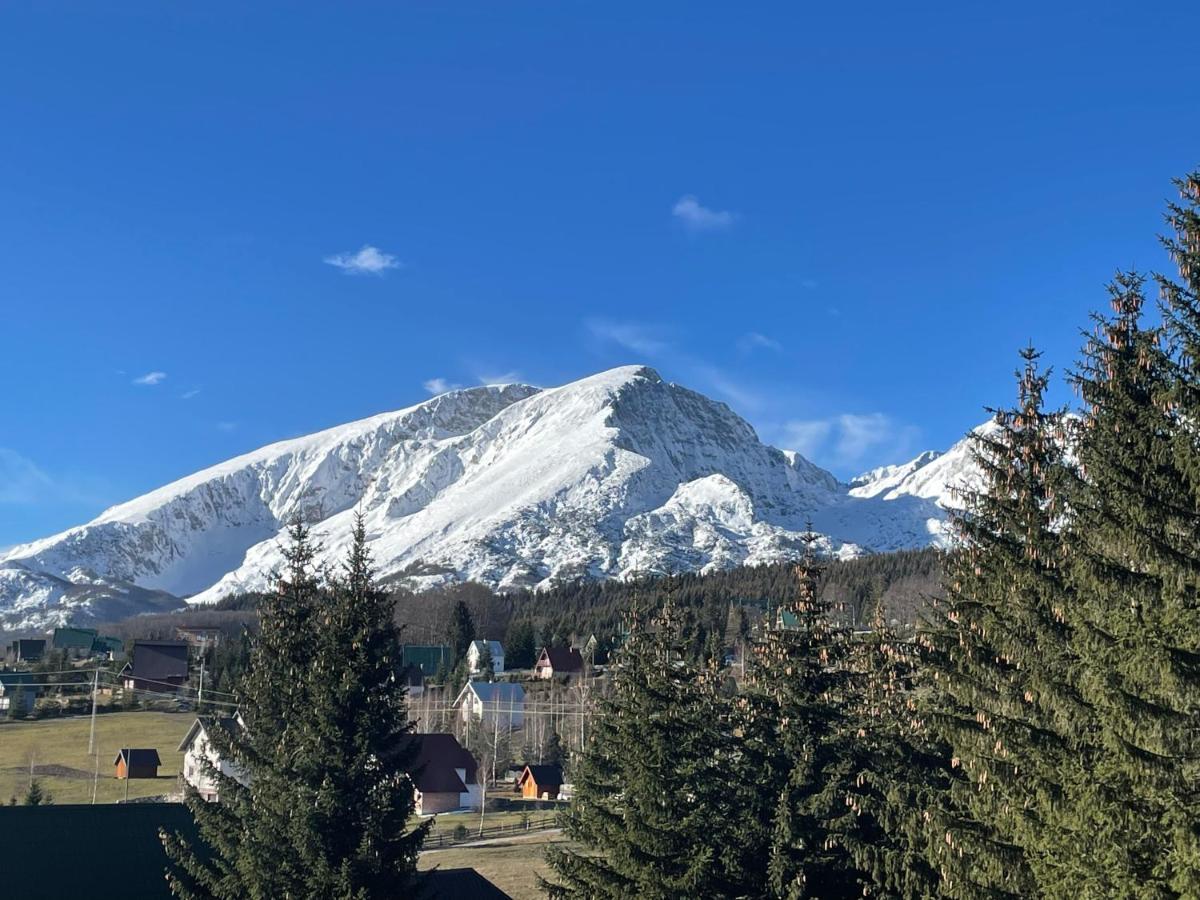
column 1137, row 575
column 652, row 814
column 520, row 647
column 460, row 632
column 1001, row 670
column 326, row 810
column 795, row 764
column 37, row 795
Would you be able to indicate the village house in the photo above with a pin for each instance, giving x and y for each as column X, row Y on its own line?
column 157, row 666
column 445, row 776
column 76, row 641
column 540, row 782
column 20, row 688
column 563, row 661
column 413, row 680
column 27, row 649
column 196, row 749
column 479, row 650
column 137, row 763
column 107, row 647
column 499, row 703
column 431, row 658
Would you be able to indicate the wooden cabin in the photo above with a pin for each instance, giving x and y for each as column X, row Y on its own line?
column 540, row 782
column 141, row 763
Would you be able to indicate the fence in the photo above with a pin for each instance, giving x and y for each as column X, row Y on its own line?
column 465, row 835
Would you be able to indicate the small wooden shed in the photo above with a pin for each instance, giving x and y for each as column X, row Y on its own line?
column 540, row 782
column 141, row 763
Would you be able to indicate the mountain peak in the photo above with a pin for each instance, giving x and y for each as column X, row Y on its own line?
column 511, row 485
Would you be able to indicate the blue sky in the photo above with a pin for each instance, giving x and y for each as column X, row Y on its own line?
column 226, row 224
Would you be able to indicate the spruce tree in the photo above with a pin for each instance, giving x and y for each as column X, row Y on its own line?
column 460, row 632
column 795, row 760
column 1002, row 695
column 1137, row 574
column 323, row 744
column 651, row 813
column 899, row 770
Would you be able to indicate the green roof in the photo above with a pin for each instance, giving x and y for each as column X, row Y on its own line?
column 74, row 638
column 428, row 657
column 106, row 644
column 788, row 619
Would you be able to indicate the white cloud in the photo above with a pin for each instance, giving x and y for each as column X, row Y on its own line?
column 630, row 335
column 367, row 261
column 754, row 341
column 188, row 395
column 151, row 378
column 509, row 377
column 848, row 440
column 806, row 438
column 697, row 217
column 439, row 386
column 21, row 481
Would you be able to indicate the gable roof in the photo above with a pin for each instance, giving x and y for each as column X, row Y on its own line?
column 436, row 757
column 105, row 644
column 494, row 647
column 70, row 638
column 138, row 757
column 229, row 723
column 501, row 693
column 542, row 774
column 156, row 660
column 428, row 656
column 562, row 659
column 28, row 648
column 12, row 680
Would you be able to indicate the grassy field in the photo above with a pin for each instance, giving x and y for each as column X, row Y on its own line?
column 60, row 746
column 513, row 865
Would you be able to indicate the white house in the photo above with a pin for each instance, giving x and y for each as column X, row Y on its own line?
column 445, row 776
column 195, row 748
column 501, row 702
column 475, row 654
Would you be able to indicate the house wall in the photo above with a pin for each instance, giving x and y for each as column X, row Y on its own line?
column 194, row 770
column 427, row 804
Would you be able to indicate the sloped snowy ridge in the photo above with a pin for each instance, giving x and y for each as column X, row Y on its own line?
column 617, row 474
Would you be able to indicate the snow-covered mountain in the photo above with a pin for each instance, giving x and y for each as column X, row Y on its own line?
column 511, row 485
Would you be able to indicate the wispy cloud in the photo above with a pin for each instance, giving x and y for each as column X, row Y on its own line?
column 151, row 378
column 439, row 386
column 500, row 377
column 367, row 261
column 634, row 336
column 21, row 481
column 188, row 395
column 695, row 216
column 226, row 426
column 847, row 441
column 752, row 340
column 24, row 483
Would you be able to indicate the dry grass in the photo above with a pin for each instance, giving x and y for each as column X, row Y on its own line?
column 512, row 864
column 60, row 745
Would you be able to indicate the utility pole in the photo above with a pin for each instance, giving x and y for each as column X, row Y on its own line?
column 95, row 691
column 200, row 699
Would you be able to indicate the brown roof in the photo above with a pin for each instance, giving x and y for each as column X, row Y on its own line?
column 563, row 659
column 437, row 756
